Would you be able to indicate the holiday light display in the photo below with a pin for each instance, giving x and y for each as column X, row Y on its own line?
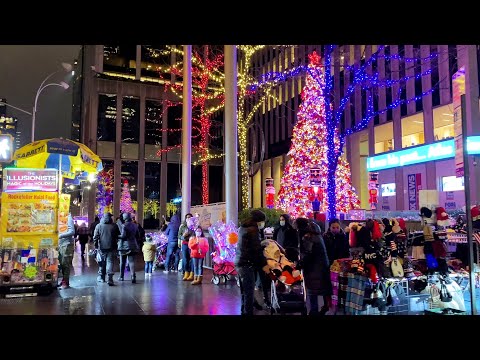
column 225, row 242
column 126, row 205
column 308, row 153
column 104, row 192
column 159, row 238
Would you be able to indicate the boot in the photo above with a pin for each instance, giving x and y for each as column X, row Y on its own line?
column 134, row 278
column 110, row 280
column 186, row 274
column 191, row 276
column 65, row 284
column 195, row 280
column 199, row 279
column 101, row 278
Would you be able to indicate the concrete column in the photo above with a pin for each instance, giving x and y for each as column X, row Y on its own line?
column 138, row 64
column 98, row 58
column 141, row 159
column 187, row 130
column 444, row 74
column 396, row 112
column 231, row 155
column 410, row 86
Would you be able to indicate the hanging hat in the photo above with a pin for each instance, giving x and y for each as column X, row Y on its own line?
column 442, row 216
column 475, row 212
column 395, row 226
column 426, row 212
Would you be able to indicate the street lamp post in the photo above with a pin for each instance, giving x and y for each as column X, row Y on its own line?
column 65, row 67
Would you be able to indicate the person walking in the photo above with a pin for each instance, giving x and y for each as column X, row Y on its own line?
column 82, row 233
column 315, row 264
column 66, row 243
column 149, row 250
column 184, row 235
column 128, row 246
column 91, row 229
column 172, row 246
column 105, row 239
column 249, row 258
column 198, row 246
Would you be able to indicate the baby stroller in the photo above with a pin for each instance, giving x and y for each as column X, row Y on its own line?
column 224, row 271
column 222, row 257
column 288, row 294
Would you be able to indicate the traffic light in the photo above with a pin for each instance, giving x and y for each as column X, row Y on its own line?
column 6, row 148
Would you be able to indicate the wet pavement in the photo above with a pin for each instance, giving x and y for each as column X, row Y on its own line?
column 162, row 294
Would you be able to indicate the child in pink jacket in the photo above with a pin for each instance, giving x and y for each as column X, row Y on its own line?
column 198, row 249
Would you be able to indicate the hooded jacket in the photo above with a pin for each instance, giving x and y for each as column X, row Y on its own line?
column 172, row 229
column 67, row 237
column 149, row 249
column 106, row 234
column 129, row 238
column 249, row 251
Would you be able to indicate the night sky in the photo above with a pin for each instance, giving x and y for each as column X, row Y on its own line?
column 22, row 69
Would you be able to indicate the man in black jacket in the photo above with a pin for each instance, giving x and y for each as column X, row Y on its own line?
column 249, row 258
column 105, row 240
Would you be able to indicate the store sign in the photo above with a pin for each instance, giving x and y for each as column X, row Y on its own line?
column 6, row 148
column 30, row 180
column 420, row 154
column 450, row 205
column 414, row 185
column 458, row 85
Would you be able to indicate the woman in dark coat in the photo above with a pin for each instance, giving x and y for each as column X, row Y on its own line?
column 315, row 264
column 286, row 236
column 336, row 242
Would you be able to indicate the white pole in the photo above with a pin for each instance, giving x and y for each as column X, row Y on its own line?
column 231, row 166
column 187, row 130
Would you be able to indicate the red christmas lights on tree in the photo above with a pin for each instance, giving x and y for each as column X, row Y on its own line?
column 126, row 199
column 309, row 150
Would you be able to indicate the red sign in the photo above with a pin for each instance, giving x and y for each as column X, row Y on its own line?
column 30, row 180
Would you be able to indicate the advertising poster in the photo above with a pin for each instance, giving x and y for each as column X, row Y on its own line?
column 63, row 210
column 210, row 214
column 414, row 185
column 15, row 180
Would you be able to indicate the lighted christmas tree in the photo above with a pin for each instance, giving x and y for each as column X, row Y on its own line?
column 309, row 150
column 126, row 205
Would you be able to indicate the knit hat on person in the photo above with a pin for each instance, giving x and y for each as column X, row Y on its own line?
column 424, row 211
column 257, row 215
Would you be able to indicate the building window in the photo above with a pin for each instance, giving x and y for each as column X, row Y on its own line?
column 155, row 60
column 120, row 59
column 151, row 202
column 153, row 122
column 131, row 120
column 412, row 130
column 174, row 116
column 383, row 138
column 443, row 122
column 128, row 186
column 107, row 117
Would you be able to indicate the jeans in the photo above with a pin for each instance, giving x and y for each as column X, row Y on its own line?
column 131, row 264
column 65, row 258
column 313, row 303
column 266, row 284
column 172, row 249
column 186, row 259
column 105, row 267
column 148, row 267
column 197, row 266
column 246, row 274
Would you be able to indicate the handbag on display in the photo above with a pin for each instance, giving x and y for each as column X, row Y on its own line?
column 397, row 268
column 378, row 295
column 392, row 297
column 445, row 295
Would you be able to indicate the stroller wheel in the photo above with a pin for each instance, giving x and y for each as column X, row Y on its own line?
column 238, row 281
column 215, row 280
column 227, row 277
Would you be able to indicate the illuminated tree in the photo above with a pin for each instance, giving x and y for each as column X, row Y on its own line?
column 309, row 150
column 104, row 192
column 126, row 204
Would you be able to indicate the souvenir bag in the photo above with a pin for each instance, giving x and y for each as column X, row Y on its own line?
column 392, row 297
column 397, row 268
column 378, row 295
column 445, row 295
column 402, row 296
column 434, row 301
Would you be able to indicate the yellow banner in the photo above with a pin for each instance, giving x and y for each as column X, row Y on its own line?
column 63, row 210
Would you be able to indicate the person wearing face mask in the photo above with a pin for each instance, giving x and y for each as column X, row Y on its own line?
column 286, row 236
column 336, row 242
column 249, row 258
column 198, row 249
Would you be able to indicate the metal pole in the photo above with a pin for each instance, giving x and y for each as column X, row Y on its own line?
column 466, row 174
column 33, row 122
column 231, row 167
column 187, row 130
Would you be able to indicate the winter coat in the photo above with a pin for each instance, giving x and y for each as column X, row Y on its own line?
column 149, row 250
column 198, row 251
column 92, row 228
column 128, row 239
column 181, row 238
column 315, row 263
column 172, row 229
column 249, row 251
column 82, row 233
column 106, row 234
column 67, row 237
column 337, row 245
column 286, row 236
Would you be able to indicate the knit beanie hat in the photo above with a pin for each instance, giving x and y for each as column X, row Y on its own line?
column 257, row 215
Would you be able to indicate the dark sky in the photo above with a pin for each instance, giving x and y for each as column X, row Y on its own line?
column 22, row 69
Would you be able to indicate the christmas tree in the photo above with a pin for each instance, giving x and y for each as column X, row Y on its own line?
column 126, row 205
column 309, row 151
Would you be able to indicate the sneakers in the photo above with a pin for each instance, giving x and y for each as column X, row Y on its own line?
column 166, row 271
column 100, row 279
